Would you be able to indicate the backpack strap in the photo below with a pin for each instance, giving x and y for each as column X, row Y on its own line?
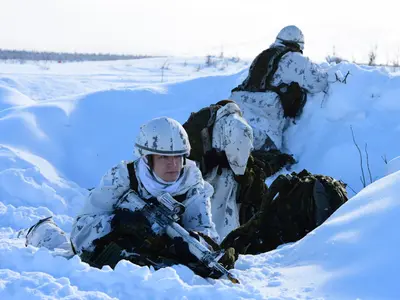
column 282, row 182
column 206, row 132
column 292, row 96
column 133, row 182
column 273, row 67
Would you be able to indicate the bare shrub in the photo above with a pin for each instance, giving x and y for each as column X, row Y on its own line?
column 372, row 56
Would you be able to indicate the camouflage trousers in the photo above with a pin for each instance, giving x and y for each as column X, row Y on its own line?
column 47, row 234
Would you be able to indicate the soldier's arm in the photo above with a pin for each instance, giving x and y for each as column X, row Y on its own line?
column 294, row 67
column 112, row 186
column 233, row 135
column 94, row 220
column 88, row 228
column 197, row 216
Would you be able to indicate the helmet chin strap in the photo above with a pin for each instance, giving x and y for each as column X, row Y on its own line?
column 148, row 159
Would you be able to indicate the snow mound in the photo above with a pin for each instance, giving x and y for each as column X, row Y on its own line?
column 393, row 165
column 63, row 127
column 11, row 97
column 84, row 136
column 353, row 255
column 31, row 189
column 367, row 107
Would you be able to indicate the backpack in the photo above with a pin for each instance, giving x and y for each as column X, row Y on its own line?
column 199, row 128
column 261, row 164
column 295, row 204
column 261, row 72
column 252, row 188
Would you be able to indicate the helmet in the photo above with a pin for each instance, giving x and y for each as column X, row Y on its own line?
column 291, row 35
column 162, row 136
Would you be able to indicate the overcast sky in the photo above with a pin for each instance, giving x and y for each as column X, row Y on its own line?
column 186, row 27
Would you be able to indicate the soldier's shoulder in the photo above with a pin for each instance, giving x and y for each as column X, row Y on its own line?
column 118, row 173
column 296, row 56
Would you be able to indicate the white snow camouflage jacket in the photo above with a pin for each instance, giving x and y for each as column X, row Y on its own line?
column 94, row 221
column 264, row 111
column 232, row 134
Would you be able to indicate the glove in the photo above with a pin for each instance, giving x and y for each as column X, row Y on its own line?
column 181, row 249
column 134, row 225
column 127, row 222
column 187, row 258
column 184, row 256
column 229, row 258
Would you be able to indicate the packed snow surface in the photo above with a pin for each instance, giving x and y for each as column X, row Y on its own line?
column 62, row 126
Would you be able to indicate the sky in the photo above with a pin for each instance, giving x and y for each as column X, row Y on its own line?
column 186, row 27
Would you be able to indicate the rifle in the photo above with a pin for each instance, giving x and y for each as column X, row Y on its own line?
column 163, row 214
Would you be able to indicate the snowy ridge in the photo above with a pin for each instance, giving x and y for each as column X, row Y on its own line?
column 368, row 105
column 60, row 133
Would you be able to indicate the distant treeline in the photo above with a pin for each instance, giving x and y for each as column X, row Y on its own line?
column 22, row 55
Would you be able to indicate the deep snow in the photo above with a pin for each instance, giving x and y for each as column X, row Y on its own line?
column 63, row 125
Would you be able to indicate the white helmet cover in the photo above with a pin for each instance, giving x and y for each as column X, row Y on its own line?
column 291, row 34
column 162, row 136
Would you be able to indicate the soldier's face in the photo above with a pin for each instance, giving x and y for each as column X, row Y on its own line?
column 167, row 168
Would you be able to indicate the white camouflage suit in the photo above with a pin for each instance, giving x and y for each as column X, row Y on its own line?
column 94, row 221
column 97, row 213
column 232, row 134
column 264, row 111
